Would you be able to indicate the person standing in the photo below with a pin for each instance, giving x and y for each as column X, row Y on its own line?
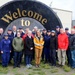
column 68, row 53
column 29, row 47
column 5, row 50
column 44, row 34
column 18, row 46
column 10, row 37
column 1, row 36
column 38, row 43
column 63, row 43
column 53, row 48
column 72, row 49
column 46, row 48
column 22, row 34
column 57, row 33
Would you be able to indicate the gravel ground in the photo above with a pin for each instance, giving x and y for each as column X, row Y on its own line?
column 44, row 69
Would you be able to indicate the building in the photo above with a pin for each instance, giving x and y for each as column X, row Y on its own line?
column 65, row 16
column 73, row 23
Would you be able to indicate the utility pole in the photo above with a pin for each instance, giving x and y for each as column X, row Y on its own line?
column 51, row 3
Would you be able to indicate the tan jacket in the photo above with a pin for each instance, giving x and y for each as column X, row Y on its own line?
column 38, row 42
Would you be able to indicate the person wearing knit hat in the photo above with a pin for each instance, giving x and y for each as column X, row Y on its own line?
column 53, row 48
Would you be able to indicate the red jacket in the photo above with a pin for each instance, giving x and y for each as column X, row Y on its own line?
column 24, row 36
column 63, row 41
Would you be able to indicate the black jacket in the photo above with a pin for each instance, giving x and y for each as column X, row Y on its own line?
column 28, row 44
column 72, row 42
column 53, row 43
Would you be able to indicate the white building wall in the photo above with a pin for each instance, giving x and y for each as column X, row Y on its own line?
column 65, row 17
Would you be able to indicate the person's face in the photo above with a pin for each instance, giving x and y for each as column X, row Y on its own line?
column 58, row 29
column 61, row 31
column 9, row 32
column 66, row 31
column 72, row 31
column 29, row 34
column 20, row 30
column 48, row 33
column 26, row 30
column 18, row 35
column 14, row 28
column 6, row 37
column 45, row 32
column 35, row 29
column 53, row 34
column 38, row 33
column 1, row 31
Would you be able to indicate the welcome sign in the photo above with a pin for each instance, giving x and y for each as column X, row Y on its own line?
column 28, row 14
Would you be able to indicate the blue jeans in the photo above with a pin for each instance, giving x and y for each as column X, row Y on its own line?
column 5, row 58
column 69, row 58
column 28, row 59
column 17, row 58
column 73, row 58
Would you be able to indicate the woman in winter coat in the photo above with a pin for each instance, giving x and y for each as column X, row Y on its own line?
column 18, row 46
column 53, row 48
column 29, row 47
column 38, row 42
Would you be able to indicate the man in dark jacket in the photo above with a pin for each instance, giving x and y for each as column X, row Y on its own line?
column 22, row 34
column 53, row 48
column 57, row 30
column 44, row 33
column 14, row 29
column 46, row 47
column 67, row 31
column 29, row 47
column 68, row 53
column 21, row 31
column 72, row 48
column 10, row 37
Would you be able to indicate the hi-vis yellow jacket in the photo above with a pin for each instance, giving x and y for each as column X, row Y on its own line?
column 38, row 42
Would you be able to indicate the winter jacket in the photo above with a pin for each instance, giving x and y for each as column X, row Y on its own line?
column 46, row 41
column 72, row 42
column 53, row 43
column 15, row 34
column 10, row 37
column 1, row 36
column 28, row 44
column 25, row 35
column 18, row 44
column 38, row 42
column 5, row 45
column 22, row 34
column 63, row 41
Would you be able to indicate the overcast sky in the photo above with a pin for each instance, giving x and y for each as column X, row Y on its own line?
column 60, row 4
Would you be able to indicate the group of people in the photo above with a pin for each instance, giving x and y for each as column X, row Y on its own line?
column 47, row 46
